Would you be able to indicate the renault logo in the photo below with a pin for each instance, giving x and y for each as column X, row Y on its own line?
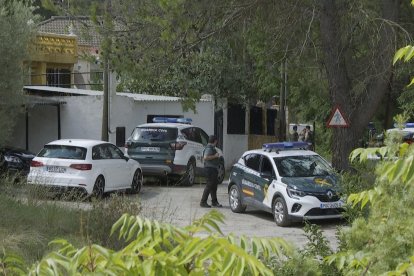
column 330, row 194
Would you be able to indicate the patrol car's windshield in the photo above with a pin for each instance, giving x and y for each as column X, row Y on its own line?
column 302, row 166
column 154, row 134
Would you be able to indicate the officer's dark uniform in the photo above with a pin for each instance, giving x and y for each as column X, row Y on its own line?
column 211, row 171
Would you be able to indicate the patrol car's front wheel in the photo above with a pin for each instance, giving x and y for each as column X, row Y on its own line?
column 235, row 200
column 280, row 212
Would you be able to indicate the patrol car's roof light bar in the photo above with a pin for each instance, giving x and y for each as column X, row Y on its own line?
column 172, row 120
column 285, row 146
column 406, row 125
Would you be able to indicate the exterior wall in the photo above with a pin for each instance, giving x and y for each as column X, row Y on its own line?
column 233, row 144
column 38, row 130
column 43, row 128
column 81, row 117
column 127, row 113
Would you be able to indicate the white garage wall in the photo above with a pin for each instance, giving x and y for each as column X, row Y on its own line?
column 39, row 131
column 235, row 145
column 129, row 113
column 81, row 117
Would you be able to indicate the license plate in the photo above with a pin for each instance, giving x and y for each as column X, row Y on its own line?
column 55, row 169
column 331, row 205
column 151, row 149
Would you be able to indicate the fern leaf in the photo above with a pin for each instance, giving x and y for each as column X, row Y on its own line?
column 400, row 54
column 228, row 263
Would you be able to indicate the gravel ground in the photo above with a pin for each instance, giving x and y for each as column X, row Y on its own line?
column 180, row 206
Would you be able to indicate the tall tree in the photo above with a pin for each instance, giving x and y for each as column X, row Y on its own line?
column 234, row 50
column 16, row 25
column 358, row 97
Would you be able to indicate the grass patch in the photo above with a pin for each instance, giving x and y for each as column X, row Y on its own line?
column 26, row 229
column 29, row 219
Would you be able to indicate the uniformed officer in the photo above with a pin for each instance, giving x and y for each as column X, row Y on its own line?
column 211, row 164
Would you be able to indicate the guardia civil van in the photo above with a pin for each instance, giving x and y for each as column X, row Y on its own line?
column 288, row 180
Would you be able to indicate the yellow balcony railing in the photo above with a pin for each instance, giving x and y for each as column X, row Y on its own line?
column 54, row 48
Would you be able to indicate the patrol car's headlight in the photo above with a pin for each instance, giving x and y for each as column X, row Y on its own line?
column 293, row 193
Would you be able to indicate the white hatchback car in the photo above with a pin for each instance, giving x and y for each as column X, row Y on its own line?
column 89, row 166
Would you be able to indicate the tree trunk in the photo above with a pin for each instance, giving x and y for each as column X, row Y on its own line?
column 340, row 84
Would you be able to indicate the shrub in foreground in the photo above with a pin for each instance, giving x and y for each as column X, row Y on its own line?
column 161, row 249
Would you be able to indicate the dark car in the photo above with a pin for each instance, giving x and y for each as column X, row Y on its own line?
column 15, row 160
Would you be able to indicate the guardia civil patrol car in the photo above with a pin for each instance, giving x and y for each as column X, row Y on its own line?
column 173, row 147
column 287, row 180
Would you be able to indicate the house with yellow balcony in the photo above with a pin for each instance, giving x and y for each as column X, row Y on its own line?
column 52, row 59
column 65, row 53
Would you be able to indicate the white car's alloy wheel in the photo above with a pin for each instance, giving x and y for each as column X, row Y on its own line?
column 136, row 184
column 99, row 187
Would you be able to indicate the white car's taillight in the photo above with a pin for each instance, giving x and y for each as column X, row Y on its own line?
column 81, row 167
column 36, row 164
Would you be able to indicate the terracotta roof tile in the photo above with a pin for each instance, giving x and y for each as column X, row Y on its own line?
column 81, row 26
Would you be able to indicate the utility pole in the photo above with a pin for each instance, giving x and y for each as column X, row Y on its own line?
column 105, row 111
column 282, row 99
column 106, row 46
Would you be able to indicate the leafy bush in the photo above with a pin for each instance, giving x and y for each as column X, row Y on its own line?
column 308, row 261
column 97, row 223
column 383, row 240
column 361, row 178
column 161, row 249
column 30, row 217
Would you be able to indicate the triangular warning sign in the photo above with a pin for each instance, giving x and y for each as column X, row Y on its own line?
column 337, row 119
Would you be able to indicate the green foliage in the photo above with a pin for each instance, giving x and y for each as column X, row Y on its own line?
column 318, row 248
column 383, row 239
column 360, row 178
column 16, row 28
column 11, row 264
column 310, row 259
column 96, row 229
column 403, row 269
column 30, row 218
column 297, row 264
column 405, row 53
column 26, row 228
column 318, row 245
column 161, row 249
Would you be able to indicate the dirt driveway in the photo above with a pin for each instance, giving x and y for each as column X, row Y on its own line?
column 180, row 206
